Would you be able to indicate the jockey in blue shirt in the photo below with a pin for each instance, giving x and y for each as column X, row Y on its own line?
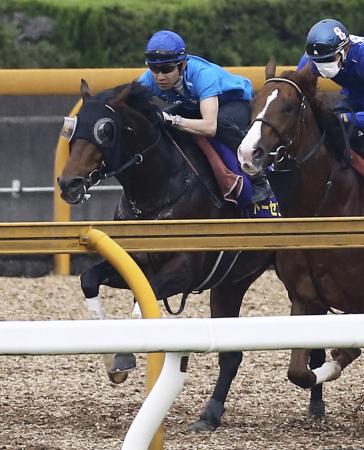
column 205, row 99
column 336, row 55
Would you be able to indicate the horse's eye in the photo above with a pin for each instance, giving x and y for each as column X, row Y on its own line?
column 104, row 131
column 288, row 108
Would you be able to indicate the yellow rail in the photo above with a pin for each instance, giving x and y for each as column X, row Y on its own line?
column 61, row 209
column 67, row 81
column 189, row 235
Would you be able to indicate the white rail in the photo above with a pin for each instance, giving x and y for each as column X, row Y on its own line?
column 181, row 335
column 177, row 337
column 17, row 188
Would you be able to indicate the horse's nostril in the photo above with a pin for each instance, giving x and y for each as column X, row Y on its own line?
column 72, row 184
column 258, row 153
column 75, row 183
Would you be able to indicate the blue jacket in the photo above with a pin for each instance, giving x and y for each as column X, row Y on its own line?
column 202, row 79
column 350, row 77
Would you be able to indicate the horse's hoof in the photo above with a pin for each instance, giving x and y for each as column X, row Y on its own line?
column 210, row 418
column 316, row 409
column 200, row 426
column 118, row 366
column 117, row 376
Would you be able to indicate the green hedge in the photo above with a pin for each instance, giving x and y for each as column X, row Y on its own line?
column 111, row 33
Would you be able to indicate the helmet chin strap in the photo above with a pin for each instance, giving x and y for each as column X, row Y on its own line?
column 179, row 84
column 343, row 54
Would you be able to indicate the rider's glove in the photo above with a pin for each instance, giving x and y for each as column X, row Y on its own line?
column 344, row 117
column 334, row 119
column 170, row 119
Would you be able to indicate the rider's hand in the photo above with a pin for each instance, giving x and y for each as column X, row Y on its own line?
column 167, row 118
column 344, row 117
column 333, row 119
column 170, row 119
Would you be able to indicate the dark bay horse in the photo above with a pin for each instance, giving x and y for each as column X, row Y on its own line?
column 164, row 176
column 312, row 175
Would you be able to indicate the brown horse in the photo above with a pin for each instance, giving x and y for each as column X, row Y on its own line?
column 164, row 176
column 292, row 129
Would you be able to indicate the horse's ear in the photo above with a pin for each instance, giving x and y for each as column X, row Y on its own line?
column 306, row 73
column 270, row 68
column 85, row 90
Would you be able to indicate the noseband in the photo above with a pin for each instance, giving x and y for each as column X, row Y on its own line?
column 96, row 175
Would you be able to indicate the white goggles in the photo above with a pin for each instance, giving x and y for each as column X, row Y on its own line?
column 69, row 127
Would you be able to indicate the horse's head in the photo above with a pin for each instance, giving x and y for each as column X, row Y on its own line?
column 278, row 117
column 102, row 138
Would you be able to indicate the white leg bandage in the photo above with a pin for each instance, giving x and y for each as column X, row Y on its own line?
column 329, row 371
column 94, row 307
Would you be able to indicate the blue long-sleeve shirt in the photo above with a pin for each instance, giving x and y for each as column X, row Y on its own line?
column 202, row 79
column 350, row 78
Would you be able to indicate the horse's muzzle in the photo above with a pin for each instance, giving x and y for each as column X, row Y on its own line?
column 72, row 190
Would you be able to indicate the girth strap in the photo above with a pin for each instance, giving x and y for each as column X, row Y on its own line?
column 224, row 263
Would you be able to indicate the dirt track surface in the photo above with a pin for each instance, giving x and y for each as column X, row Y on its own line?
column 67, row 402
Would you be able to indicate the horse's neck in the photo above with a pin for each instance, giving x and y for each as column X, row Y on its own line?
column 159, row 180
column 326, row 187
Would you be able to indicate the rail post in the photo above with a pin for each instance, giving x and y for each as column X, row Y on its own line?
column 61, row 209
column 97, row 240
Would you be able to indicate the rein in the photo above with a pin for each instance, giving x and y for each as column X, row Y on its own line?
column 136, row 159
column 213, row 197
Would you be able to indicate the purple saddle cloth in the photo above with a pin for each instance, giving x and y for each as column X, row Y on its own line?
column 268, row 208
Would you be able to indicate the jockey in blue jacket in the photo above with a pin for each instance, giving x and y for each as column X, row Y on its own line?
column 339, row 56
column 205, row 99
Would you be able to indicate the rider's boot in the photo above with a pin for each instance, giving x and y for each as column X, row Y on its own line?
column 261, row 188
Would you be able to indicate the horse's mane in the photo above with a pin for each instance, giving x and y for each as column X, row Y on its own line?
column 135, row 95
column 308, row 87
column 322, row 106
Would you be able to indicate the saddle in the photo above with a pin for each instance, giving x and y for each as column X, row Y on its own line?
column 230, row 183
column 234, row 184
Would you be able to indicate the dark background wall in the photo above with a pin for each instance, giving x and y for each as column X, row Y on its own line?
column 29, row 130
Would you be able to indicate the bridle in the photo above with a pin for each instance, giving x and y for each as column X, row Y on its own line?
column 281, row 154
column 99, row 174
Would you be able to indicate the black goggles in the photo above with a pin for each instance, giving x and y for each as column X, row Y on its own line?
column 162, row 55
column 323, row 53
column 162, row 68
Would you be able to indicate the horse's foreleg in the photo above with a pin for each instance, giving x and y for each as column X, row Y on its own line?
column 298, row 371
column 211, row 416
column 316, row 409
column 304, row 377
column 331, row 370
column 119, row 365
column 345, row 356
column 224, row 302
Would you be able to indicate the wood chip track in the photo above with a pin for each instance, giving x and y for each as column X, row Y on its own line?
column 67, row 402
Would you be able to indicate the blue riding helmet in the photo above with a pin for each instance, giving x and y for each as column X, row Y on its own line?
column 325, row 39
column 165, row 47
